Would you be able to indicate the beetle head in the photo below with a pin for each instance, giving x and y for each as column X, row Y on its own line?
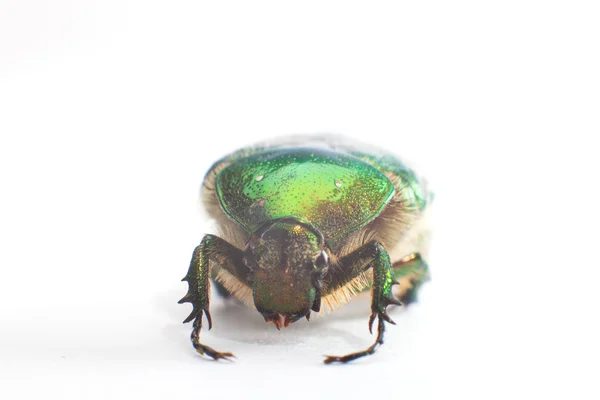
column 288, row 261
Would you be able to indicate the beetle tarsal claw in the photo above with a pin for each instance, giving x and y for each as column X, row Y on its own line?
column 212, row 353
column 204, row 349
column 368, row 351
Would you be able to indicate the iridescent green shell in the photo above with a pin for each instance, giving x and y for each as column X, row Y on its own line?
column 334, row 192
column 411, row 187
column 337, row 186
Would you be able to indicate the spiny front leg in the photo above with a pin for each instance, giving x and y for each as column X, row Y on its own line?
column 217, row 250
column 372, row 254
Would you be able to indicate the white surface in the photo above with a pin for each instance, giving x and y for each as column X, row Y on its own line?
column 111, row 111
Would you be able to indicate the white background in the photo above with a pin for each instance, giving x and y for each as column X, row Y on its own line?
column 111, row 112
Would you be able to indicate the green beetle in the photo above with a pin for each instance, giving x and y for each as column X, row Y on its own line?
column 305, row 224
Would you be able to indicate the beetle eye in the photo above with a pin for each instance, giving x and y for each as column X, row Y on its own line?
column 322, row 260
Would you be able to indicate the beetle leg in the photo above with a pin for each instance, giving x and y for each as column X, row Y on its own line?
column 370, row 255
column 202, row 348
column 217, row 250
column 411, row 272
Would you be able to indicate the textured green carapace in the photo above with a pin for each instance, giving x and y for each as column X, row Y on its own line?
column 411, row 187
column 335, row 193
column 306, row 221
